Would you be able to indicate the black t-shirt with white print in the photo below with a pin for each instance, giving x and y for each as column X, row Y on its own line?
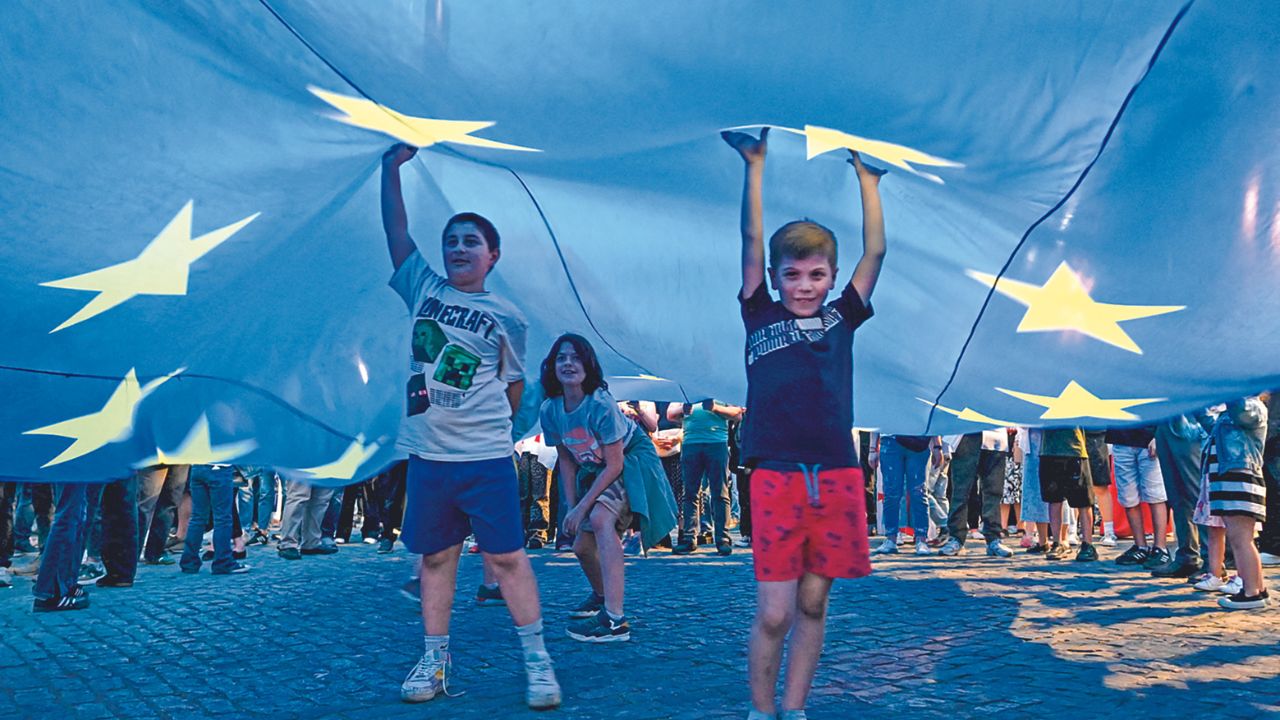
column 800, row 380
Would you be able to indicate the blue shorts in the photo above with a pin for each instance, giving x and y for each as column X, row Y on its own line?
column 447, row 501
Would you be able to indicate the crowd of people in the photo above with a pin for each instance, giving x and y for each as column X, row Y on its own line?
column 607, row 476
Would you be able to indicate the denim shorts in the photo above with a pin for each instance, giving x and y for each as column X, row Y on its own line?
column 447, row 501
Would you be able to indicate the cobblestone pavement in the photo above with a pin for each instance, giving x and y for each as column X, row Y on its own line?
column 331, row 637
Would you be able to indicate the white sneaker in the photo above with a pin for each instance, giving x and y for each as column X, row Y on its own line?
column 1210, row 583
column 1232, row 586
column 1073, row 540
column 888, row 547
column 975, row 534
column 905, row 539
column 996, row 549
column 1108, row 541
column 1269, row 560
column 6, row 577
column 543, row 691
column 428, row 678
column 922, row 548
column 951, row 547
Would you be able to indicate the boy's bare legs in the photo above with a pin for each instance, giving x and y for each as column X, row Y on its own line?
column 1086, row 525
column 611, row 563
column 1042, row 534
column 1160, row 524
column 519, row 587
column 1217, row 551
column 775, row 612
column 1056, row 525
column 1137, row 525
column 1248, row 562
column 806, row 639
column 584, row 546
column 438, row 579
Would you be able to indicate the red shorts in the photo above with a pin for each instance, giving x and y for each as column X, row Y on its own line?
column 793, row 532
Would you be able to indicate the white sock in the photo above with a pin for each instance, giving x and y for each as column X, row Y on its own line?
column 531, row 637
column 436, row 643
column 1108, row 528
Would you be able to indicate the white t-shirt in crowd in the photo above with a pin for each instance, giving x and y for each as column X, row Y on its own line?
column 465, row 349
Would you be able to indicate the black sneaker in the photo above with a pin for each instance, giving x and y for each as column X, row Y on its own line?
column 386, row 545
column 207, row 555
column 534, row 543
column 1088, row 553
column 322, row 550
column 1037, row 549
column 684, row 547
column 1240, row 601
column 77, row 599
column 724, row 548
column 589, row 608
column 601, row 629
column 486, row 595
column 1135, row 555
column 705, row 539
column 110, row 581
column 289, row 553
column 1156, row 557
column 1175, row 569
column 164, row 559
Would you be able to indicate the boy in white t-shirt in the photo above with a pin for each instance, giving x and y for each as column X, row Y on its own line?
column 465, row 380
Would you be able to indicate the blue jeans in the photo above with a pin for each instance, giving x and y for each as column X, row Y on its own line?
column 257, row 499
column 211, row 490
column 64, row 547
column 899, row 468
column 113, row 537
column 705, row 462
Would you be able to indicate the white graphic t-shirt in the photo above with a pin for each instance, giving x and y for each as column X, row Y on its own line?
column 464, row 351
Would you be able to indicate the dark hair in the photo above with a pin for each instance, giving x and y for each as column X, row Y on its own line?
column 487, row 230
column 590, row 364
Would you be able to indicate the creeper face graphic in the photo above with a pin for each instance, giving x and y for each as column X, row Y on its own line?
column 428, row 341
column 457, row 368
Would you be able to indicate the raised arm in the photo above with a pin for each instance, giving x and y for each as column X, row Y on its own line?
column 395, row 221
column 752, row 151
column 873, row 247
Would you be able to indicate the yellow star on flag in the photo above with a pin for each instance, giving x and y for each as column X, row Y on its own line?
column 1076, row 402
column 969, row 415
column 161, row 269
column 417, row 131
column 1063, row 303
column 197, row 449
column 114, row 422
column 347, row 464
column 820, row 140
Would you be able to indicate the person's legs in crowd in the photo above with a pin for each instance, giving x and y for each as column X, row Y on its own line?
column 1095, row 442
column 331, row 516
column 42, row 504
column 8, row 494
column 297, row 495
column 964, row 476
column 1269, row 538
column 694, row 464
column 992, row 466
column 318, row 505
column 673, row 466
column 721, row 505
column 91, row 566
column 371, row 520
column 538, row 512
column 1179, row 460
column 201, row 495
column 172, row 484
column 347, row 513
column 743, row 477
column 56, row 586
column 393, row 500
column 893, row 475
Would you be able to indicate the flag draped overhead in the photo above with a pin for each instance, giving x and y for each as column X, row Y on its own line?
column 1082, row 208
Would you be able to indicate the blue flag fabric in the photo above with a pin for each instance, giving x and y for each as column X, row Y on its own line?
column 1082, row 207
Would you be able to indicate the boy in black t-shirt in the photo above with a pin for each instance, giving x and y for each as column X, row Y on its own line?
column 807, row 490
